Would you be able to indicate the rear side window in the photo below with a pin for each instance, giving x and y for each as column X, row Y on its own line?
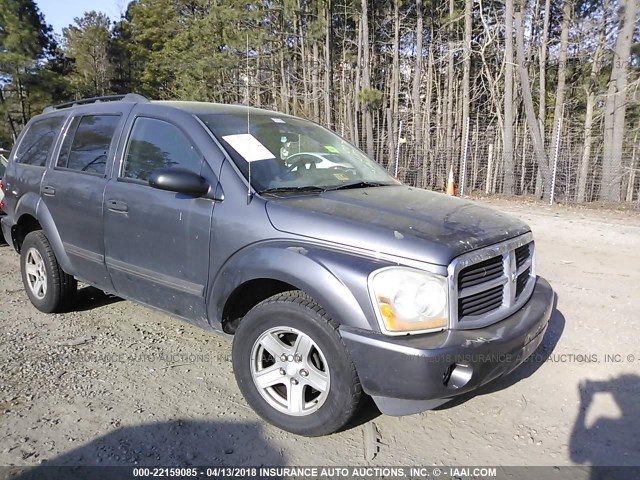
column 86, row 145
column 157, row 144
column 37, row 141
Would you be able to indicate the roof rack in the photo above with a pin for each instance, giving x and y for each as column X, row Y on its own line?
column 129, row 97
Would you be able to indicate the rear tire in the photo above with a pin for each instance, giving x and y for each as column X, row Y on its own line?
column 49, row 288
column 293, row 368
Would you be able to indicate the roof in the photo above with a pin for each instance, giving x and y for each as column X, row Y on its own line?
column 195, row 108
column 129, row 97
column 199, row 108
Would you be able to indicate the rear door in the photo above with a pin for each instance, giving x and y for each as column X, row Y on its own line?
column 73, row 189
column 157, row 242
column 28, row 160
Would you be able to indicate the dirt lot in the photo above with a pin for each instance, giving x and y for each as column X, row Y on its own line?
column 113, row 383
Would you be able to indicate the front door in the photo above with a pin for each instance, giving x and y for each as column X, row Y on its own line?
column 157, row 242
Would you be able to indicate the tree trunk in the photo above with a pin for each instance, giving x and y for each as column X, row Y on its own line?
column 591, row 88
column 328, row 67
column 315, row 93
column 562, row 76
column 9, row 118
column 366, row 77
column 395, row 82
column 466, row 77
column 586, row 149
column 450, row 83
column 284, row 94
column 417, row 80
column 358, row 83
column 489, row 170
column 543, row 66
column 274, row 78
column 634, row 168
column 507, row 152
column 305, row 64
column 527, row 100
column 615, row 105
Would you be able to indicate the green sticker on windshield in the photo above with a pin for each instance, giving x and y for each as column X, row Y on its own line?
column 331, row 149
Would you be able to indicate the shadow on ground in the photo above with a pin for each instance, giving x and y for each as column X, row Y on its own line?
column 367, row 412
column 88, row 298
column 608, row 437
column 180, row 443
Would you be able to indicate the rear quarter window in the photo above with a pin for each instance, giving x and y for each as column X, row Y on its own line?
column 38, row 140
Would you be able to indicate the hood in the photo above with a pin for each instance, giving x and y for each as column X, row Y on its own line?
column 397, row 220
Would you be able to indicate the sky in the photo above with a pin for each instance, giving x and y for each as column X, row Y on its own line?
column 60, row 13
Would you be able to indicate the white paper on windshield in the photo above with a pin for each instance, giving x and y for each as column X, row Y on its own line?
column 249, row 147
column 277, row 120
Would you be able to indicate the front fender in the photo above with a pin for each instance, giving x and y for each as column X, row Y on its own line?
column 335, row 280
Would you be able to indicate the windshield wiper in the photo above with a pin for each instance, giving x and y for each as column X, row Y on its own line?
column 359, row 185
column 302, row 189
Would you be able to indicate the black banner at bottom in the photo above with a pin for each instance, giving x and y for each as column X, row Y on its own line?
column 50, row 472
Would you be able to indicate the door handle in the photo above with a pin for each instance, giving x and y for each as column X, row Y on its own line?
column 47, row 190
column 117, row 206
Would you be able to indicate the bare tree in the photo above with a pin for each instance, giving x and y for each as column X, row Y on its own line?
column 508, row 100
column 615, row 104
column 543, row 65
column 466, row 74
column 417, row 81
column 366, row 76
column 562, row 75
column 591, row 89
column 394, row 101
column 328, row 66
column 448, row 114
column 527, row 100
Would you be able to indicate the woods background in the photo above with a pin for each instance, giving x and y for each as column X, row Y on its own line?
column 531, row 97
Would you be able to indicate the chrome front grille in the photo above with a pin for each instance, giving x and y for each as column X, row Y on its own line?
column 481, row 302
column 480, row 273
column 489, row 284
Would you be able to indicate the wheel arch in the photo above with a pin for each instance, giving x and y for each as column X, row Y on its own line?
column 250, row 277
column 32, row 214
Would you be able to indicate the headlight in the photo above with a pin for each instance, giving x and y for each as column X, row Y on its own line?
column 409, row 300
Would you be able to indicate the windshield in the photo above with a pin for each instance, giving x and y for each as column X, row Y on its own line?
column 290, row 154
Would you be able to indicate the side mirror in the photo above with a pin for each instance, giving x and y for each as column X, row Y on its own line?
column 179, row 180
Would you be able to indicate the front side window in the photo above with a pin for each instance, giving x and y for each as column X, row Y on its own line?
column 157, row 144
column 37, row 141
column 86, row 145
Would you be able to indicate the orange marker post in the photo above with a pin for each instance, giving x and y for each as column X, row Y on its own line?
column 451, row 184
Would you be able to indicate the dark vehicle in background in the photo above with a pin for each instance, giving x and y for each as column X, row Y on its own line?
column 3, row 167
column 333, row 279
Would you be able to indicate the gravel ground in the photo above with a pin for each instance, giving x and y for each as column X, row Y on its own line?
column 114, row 383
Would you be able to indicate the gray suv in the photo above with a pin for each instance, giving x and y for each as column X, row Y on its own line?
column 333, row 279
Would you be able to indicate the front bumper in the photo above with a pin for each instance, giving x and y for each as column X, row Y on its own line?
column 414, row 373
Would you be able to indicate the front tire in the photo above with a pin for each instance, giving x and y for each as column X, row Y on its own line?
column 292, row 367
column 49, row 288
